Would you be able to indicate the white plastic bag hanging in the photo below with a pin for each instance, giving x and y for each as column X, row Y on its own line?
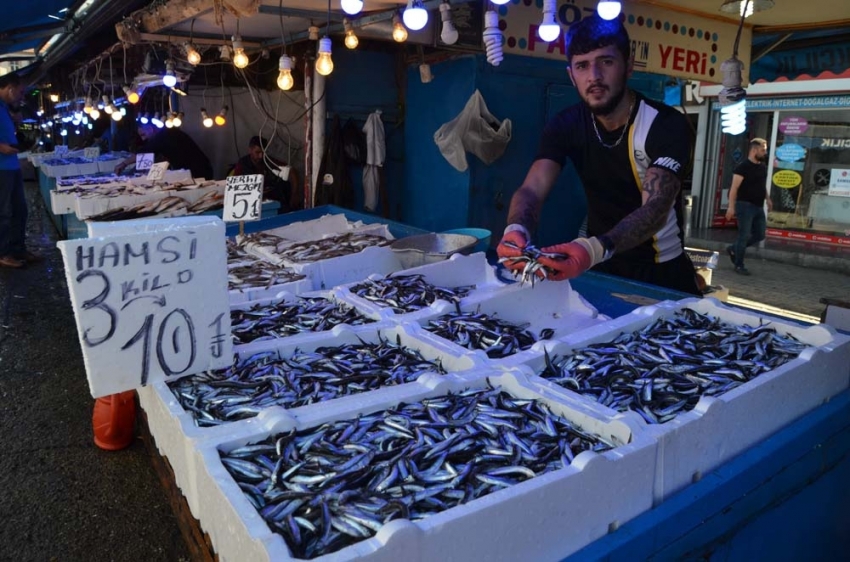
column 475, row 130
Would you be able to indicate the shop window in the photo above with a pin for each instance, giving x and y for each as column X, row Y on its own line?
column 810, row 177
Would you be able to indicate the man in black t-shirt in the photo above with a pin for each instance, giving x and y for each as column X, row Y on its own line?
column 630, row 153
column 172, row 146
column 746, row 201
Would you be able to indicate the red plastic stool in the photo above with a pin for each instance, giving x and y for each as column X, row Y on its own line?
column 114, row 420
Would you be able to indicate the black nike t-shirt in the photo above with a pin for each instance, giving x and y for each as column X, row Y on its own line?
column 753, row 188
column 658, row 136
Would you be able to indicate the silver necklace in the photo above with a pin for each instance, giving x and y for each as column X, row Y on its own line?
column 625, row 127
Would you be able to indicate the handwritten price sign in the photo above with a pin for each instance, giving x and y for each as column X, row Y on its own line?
column 243, row 198
column 152, row 304
column 157, row 171
column 91, row 152
column 144, row 161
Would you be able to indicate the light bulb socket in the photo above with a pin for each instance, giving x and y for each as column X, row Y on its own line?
column 285, row 63
column 325, row 45
column 237, row 43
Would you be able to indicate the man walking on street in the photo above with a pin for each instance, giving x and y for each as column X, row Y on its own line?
column 746, row 201
column 13, row 205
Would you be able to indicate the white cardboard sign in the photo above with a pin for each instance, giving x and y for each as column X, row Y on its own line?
column 157, row 171
column 150, row 301
column 144, row 161
column 60, row 149
column 91, row 152
column 839, row 182
column 243, row 197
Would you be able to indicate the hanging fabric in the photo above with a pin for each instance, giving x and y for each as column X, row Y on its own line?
column 333, row 183
column 376, row 153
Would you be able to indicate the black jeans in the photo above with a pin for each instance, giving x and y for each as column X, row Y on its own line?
column 13, row 213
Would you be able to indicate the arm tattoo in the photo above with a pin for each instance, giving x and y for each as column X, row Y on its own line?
column 525, row 210
column 660, row 188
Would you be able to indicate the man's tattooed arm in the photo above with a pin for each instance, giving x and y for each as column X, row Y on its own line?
column 527, row 202
column 660, row 188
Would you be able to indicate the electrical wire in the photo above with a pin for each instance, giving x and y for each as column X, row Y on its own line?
column 740, row 27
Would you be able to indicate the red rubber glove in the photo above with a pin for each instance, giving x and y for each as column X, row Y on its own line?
column 518, row 241
column 579, row 255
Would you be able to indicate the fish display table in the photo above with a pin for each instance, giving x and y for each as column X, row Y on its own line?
column 756, row 470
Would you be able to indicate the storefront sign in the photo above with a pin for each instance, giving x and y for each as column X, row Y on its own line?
column 839, row 182
column 787, row 179
column 243, row 198
column 808, row 236
column 663, row 41
column 815, row 102
column 150, row 301
column 804, row 64
column 790, row 152
column 793, row 125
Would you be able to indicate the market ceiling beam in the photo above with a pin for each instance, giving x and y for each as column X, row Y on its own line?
column 196, row 39
column 176, row 11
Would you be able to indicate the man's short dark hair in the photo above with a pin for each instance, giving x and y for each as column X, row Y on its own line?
column 10, row 79
column 593, row 33
column 258, row 141
column 757, row 143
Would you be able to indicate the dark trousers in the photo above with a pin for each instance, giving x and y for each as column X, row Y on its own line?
column 13, row 213
column 752, row 226
column 677, row 274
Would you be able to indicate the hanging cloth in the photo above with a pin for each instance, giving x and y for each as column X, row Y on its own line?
column 333, row 184
column 376, row 152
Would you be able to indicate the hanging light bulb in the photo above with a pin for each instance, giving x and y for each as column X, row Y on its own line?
column 449, row 34
column 324, row 64
column 732, row 98
column 499, row 2
column 107, row 105
column 169, row 121
column 399, row 31
column 192, row 54
column 240, row 59
column 156, row 121
column 117, row 116
column 87, row 107
column 608, row 9
column 206, row 119
column 350, row 38
column 221, row 118
column 64, row 132
column 284, row 78
column 351, row 7
column 548, row 30
column 169, row 80
column 143, row 119
column 95, row 114
column 746, row 8
column 415, row 16
column 492, row 37
column 131, row 94
column 178, row 119
column 54, row 98
column 123, row 111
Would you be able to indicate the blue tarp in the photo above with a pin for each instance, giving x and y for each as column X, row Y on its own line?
column 18, row 16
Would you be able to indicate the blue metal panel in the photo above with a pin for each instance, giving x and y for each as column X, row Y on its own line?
column 436, row 195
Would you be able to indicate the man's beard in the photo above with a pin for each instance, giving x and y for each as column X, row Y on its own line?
column 612, row 104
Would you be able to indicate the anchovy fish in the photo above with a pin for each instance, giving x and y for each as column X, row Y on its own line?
column 498, row 338
column 334, row 485
column 325, row 248
column 407, row 293
column 282, row 319
column 301, row 378
column 663, row 369
column 533, row 270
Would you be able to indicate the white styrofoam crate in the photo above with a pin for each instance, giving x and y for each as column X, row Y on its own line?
column 176, row 432
column 550, row 304
column 62, row 203
column 329, row 273
column 459, row 270
column 544, row 518
column 253, row 294
column 721, row 427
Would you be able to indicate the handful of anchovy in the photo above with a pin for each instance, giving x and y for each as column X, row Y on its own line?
column 497, row 338
column 331, row 486
column 533, row 269
column 407, row 293
column 283, row 319
column 664, row 369
column 263, row 380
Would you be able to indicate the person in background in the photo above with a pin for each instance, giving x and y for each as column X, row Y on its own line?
column 172, row 146
column 13, row 204
column 746, row 202
column 630, row 153
column 286, row 192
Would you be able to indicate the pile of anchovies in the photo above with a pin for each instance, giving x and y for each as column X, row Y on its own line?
column 245, row 271
column 498, row 338
column 266, row 379
column 407, row 293
column 664, row 369
column 335, row 246
column 327, row 487
column 263, row 239
column 533, row 269
column 283, row 319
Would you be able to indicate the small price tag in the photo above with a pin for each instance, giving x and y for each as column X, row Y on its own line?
column 144, row 161
column 157, row 171
column 243, row 198
column 91, row 152
column 150, row 302
column 60, row 149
